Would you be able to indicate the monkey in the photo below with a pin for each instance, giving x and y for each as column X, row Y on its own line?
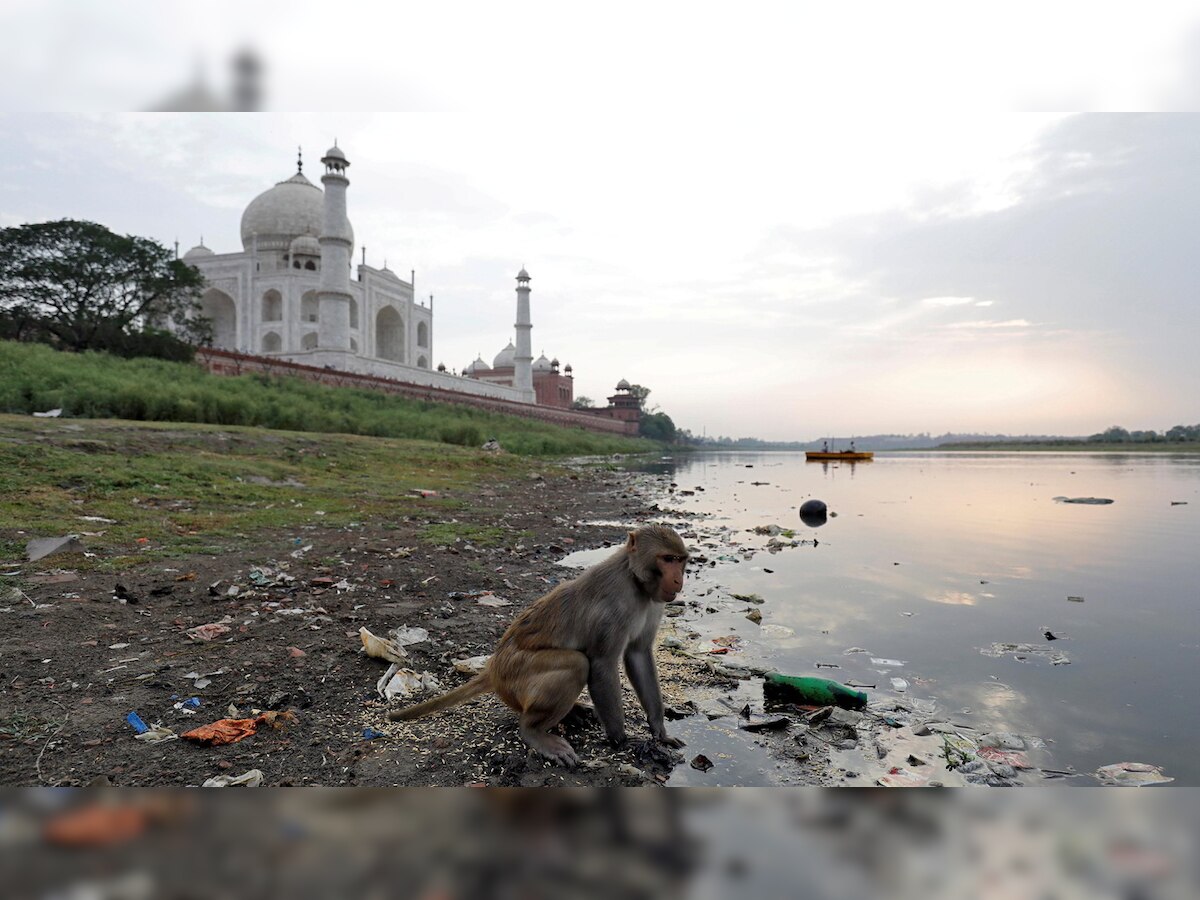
column 576, row 636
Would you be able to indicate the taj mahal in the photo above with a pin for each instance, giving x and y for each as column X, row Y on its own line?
column 294, row 293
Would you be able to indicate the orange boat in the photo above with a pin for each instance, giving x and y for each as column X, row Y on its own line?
column 835, row 455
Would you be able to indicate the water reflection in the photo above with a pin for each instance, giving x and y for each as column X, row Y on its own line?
column 934, row 558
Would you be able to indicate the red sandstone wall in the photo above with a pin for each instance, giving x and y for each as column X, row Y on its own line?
column 225, row 362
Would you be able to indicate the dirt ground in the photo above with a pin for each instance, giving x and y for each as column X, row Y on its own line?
column 82, row 649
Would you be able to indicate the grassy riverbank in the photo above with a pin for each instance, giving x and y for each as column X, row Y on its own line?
column 176, row 488
column 36, row 378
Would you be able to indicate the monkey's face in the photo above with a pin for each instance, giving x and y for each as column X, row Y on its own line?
column 670, row 575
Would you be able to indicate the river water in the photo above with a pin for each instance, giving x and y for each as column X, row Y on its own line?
column 932, row 559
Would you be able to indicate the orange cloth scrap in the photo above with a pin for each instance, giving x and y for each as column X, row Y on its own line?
column 230, row 731
column 95, row 826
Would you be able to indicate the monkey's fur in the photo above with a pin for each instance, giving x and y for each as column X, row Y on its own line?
column 576, row 636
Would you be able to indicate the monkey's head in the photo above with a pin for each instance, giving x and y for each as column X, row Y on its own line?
column 657, row 557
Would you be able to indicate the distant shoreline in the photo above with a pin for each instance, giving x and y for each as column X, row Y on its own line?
column 1081, row 446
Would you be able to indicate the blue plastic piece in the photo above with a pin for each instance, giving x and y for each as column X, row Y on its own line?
column 136, row 721
column 370, row 733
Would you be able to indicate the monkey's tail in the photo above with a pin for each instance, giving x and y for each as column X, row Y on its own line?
column 480, row 684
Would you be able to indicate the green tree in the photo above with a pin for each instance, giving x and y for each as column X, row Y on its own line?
column 640, row 393
column 583, row 403
column 658, row 427
column 78, row 286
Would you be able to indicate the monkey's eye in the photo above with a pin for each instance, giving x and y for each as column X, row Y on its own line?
column 674, row 559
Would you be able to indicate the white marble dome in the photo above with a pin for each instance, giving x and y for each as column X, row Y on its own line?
column 282, row 213
column 506, row 358
column 478, row 366
column 541, row 364
column 198, row 251
column 305, row 245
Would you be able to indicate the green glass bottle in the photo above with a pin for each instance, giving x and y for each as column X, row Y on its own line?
column 807, row 691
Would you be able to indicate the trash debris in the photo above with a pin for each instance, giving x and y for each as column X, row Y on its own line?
column 887, row 663
column 405, row 683
column 851, row 650
column 473, row 665
column 210, row 631
column 200, row 682
column 899, row 685
column 701, row 763
column 421, row 492
column 136, row 721
column 156, row 735
column 381, row 648
column 1090, row 501
column 1075, row 599
column 1017, row 759
column 492, row 445
column 39, row 548
column 684, row 710
column 296, row 653
column 1022, row 652
column 371, row 734
column 96, row 826
column 748, row 598
column 809, row 691
column 230, row 731
column 814, row 513
column 188, row 706
column 773, row 723
column 405, row 635
column 49, row 414
column 754, row 616
column 253, row 778
column 1131, row 774
column 490, row 599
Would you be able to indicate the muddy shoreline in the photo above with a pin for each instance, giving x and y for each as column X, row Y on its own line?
column 83, row 648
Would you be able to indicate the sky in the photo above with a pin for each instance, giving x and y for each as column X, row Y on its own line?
column 787, row 222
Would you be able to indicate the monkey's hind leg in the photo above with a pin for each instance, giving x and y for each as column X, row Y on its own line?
column 556, row 679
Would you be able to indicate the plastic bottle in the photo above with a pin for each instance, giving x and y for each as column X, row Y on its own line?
column 807, row 691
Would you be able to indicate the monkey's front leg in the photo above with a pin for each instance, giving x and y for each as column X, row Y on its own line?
column 639, row 666
column 604, row 684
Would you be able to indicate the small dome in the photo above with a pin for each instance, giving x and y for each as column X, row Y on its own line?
column 334, row 152
column 198, row 251
column 568, row 368
column 554, row 363
column 523, row 275
column 305, row 245
column 441, row 367
column 541, row 364
column 622, row 385
column 506, row 358
column 478, row 366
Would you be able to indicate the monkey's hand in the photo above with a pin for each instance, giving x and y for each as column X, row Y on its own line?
column 660, row 735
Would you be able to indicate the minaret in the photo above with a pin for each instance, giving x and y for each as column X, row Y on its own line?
column 523, row 361
column 337, row 243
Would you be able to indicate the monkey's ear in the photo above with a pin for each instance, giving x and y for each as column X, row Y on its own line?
column 631, row 544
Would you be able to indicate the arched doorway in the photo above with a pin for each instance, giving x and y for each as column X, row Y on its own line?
column 272, row 343
column 389, row 335
column 272, row 306
column 219, row 308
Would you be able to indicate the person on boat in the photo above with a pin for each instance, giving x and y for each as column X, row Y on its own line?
column 824, row 446
column 852, row 446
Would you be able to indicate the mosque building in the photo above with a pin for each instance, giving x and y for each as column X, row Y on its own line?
column 294, row 293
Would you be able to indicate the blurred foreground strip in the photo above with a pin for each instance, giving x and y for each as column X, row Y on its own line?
column 479, row 843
